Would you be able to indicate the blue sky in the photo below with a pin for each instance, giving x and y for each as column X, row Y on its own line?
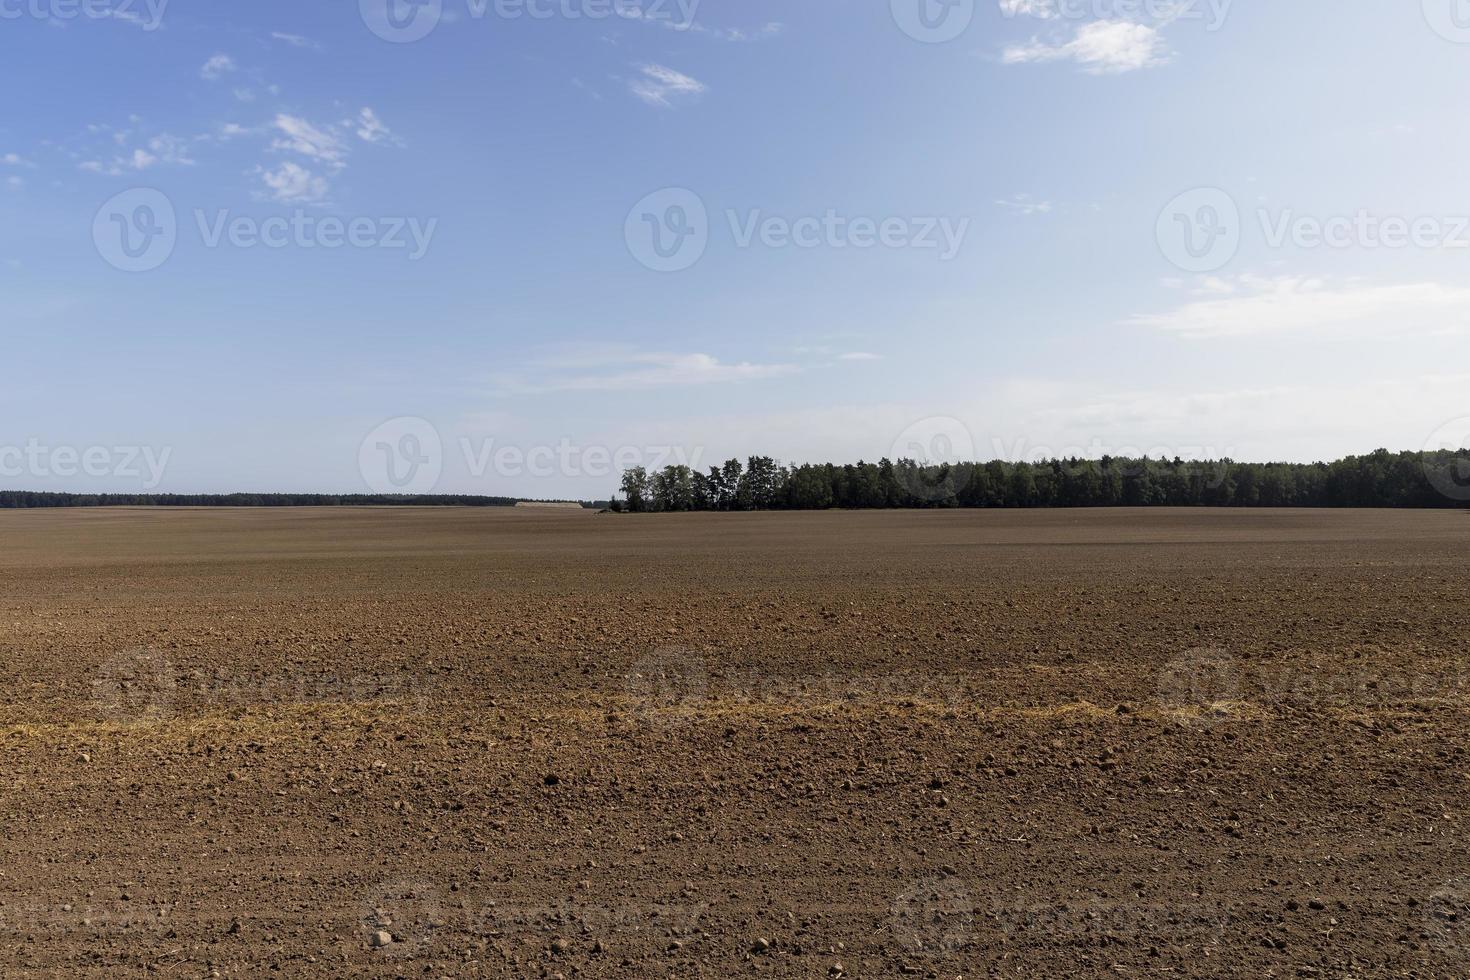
column 968, row 231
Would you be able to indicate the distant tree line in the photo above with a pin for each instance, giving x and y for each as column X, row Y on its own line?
column 1379, row 479
column 26, row 498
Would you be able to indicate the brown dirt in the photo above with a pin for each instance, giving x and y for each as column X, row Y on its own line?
column 1044, row 744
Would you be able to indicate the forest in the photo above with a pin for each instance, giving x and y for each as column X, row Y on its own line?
column 1379, row 479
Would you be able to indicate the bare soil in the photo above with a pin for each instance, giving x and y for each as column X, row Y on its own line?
column 537, row 743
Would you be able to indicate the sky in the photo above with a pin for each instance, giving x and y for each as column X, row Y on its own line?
column 513, row 246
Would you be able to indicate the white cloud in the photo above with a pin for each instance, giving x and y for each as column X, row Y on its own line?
column 1253, row 306
column 691, row 26
column 370, row 128
column 1025, row 204
column 295, row 40
column 660, row 86
column 1104, row 47
column 859, row 356
column 302, row 137
column 163, row 148
column 736, row 34
column 15, row 160
column 14, row 182
column 294, row 184
column 217, row 67
column 171, row 149
column 133, row 17
column 641, row 370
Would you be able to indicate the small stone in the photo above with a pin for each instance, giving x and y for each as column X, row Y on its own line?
column 761, row 946
column 380, row 939
column 1317, row 905
column 560, row 946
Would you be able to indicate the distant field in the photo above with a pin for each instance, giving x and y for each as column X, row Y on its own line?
column 526, row 742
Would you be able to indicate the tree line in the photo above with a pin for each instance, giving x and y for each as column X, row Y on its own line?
column 1379, row 479
column 26, row 498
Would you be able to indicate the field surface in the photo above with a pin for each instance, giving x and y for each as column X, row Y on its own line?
column 463, row 743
